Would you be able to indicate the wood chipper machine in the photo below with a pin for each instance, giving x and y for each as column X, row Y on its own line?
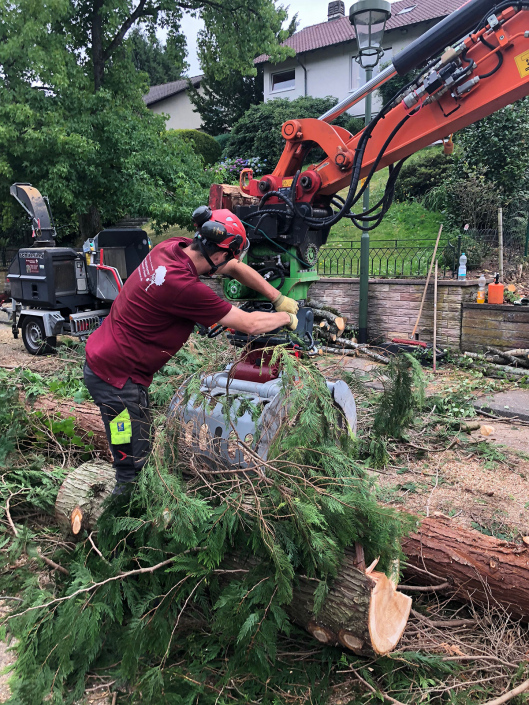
column 57, row 290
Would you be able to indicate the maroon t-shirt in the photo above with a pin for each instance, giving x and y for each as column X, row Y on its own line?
column 152, row 317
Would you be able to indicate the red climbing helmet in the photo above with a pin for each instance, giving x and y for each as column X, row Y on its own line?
column 223, row 228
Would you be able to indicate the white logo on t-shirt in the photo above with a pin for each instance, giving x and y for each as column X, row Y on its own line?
column 158, row 277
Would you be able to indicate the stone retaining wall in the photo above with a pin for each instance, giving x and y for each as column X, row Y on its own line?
column 394, row 306
column 503, row 327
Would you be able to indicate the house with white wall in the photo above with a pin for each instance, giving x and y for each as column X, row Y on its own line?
column 325, row 65
column 173, row 99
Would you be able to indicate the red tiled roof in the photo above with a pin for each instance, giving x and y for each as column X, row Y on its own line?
column 326, row 34
column 166, row 90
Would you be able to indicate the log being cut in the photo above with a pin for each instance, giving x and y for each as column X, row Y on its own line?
column 363, row 611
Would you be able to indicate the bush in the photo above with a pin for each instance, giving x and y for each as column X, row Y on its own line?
column 223, row 140
column 204, row 145
column 354, row 124
column 228, row 170
column 423, row 174
column 258, row 132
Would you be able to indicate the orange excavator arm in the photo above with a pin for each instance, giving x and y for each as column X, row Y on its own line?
column 431, row 116
column 485, row 72
column 485, row 68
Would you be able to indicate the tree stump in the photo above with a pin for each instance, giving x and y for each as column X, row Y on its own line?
column 80, row 499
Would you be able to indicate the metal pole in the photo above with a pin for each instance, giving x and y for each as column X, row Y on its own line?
column 435, row 319
column 526, row 251
column 369, row 86
column 500, row 240
column 364, row 242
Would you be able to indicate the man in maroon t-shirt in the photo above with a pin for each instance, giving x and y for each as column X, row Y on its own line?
column 154, row 315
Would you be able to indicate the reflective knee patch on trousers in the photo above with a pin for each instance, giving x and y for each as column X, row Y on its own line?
column 121, row 428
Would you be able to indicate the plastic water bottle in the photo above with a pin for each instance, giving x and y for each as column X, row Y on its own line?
column 462, row 271
column 481, row 290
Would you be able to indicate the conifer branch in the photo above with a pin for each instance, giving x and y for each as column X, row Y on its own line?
column 120, row 576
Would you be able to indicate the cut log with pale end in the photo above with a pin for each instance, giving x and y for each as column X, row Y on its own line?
column 80, row 498
column 478, row 568
column 87, row 417
column 364, row 613
column 338, row 321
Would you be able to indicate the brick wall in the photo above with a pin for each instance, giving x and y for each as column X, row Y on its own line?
column 394, row 305
column 504, row 327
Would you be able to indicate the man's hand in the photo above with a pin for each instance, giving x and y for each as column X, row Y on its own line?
column 293, row 320
column 283, row 303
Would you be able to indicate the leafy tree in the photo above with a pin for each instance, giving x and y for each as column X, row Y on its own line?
column 161, row 63
column 72, row 117
column 427, row 171
column 258, row 132
column 496, row 147
column 222, row 102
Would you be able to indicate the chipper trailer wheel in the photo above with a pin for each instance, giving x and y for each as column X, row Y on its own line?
column 34, row 337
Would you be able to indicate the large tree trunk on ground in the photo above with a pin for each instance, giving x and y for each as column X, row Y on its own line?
column 80, row 499
column 478, row 568
column 363, row 612
column 87, row 417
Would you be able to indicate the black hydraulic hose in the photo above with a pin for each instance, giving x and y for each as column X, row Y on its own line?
column 443, row 34
column 279, row 274
column 500, row 58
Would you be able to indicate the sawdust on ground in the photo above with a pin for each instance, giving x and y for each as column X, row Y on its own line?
column 13, row 354
column 488, row 493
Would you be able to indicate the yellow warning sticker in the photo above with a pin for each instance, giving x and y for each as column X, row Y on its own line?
column 522, row 62
column 287, row 182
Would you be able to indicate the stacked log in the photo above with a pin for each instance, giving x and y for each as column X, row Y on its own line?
column 330, row 328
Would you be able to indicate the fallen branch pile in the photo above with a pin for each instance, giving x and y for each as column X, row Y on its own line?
column 330, row 327
column 512, row 363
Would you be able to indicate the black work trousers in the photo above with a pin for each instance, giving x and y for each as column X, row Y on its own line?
column 130, row 407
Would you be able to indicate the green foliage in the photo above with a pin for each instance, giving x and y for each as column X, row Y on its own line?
column 495, row 147
column 394, row 85
column 223, row 140
column 203, row 144
column 179, row 630
column 71, row 109
column 258, row 132
column 403, row 396
column 161, row 63
column 418, row 177
column 354, row 124
column 222, row 102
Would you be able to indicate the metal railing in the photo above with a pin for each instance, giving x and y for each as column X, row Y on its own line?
column 411, row 258
column 387, row 258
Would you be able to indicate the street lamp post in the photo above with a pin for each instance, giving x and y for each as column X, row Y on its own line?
column 369, row 18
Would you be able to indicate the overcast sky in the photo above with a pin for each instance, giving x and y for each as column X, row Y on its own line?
column 309, row 12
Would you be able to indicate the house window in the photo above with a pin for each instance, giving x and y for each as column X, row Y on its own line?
column 284, row 81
